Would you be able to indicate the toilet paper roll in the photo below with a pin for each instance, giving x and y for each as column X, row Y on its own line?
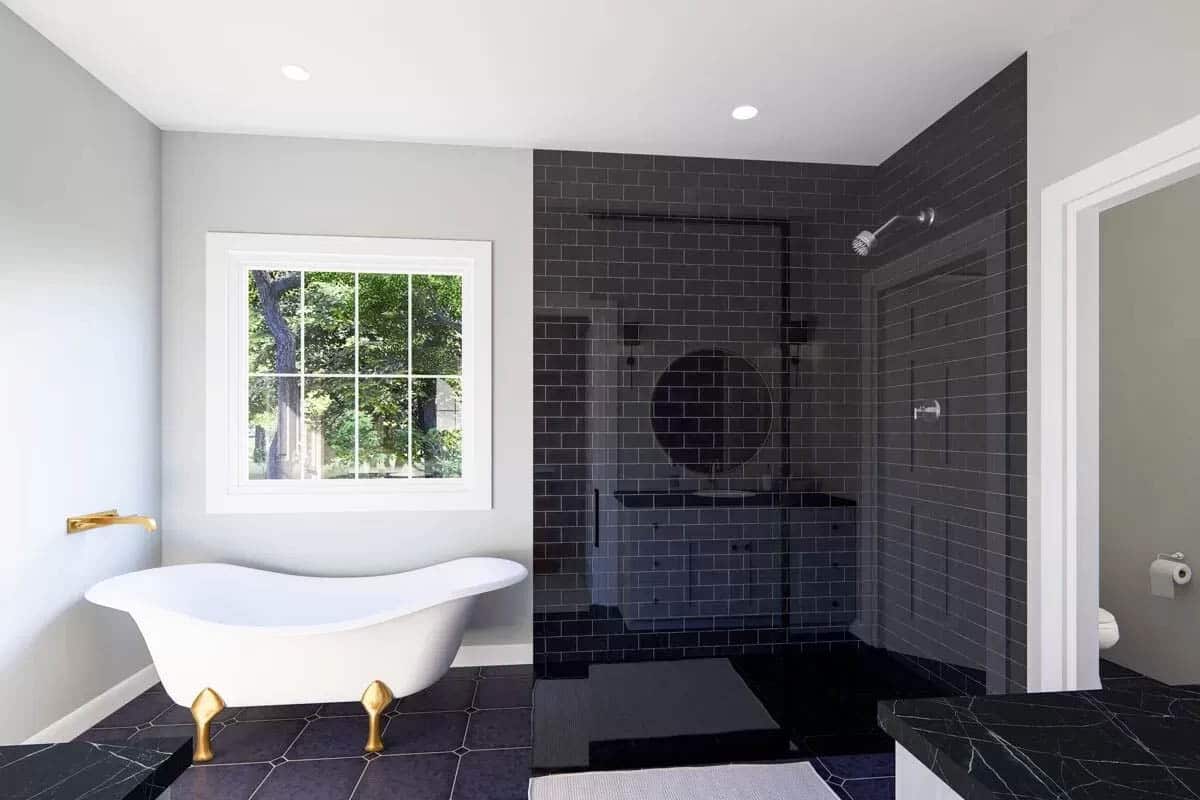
column 1166, row 574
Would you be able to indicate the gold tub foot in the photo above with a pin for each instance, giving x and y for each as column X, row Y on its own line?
column 205, row 707
column 375, row 700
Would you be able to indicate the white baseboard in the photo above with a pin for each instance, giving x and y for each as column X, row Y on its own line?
column 96, row 709
column 487, row 655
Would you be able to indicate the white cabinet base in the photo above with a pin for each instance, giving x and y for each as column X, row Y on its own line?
column 915, row 781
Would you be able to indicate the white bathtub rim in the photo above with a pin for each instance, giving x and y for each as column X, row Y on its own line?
column 115, row 593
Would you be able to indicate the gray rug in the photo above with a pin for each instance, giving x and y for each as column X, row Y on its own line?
column 654, row 699
column 795, row 781
column 561, row 733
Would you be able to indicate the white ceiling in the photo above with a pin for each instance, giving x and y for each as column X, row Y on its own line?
column 836, row 80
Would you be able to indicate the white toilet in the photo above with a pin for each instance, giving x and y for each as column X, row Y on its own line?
column 1108, row 630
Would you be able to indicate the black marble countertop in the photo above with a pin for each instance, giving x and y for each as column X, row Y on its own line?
column 79, row 770
column 1136, row 742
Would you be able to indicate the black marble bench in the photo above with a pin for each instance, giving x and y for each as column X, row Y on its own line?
column 1136, row 742
column 93, row 771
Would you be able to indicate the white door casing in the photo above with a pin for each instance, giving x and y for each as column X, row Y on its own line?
column 1064, row 431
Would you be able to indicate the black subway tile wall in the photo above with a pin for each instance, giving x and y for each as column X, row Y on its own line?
column 696, row 345
column 726, row 460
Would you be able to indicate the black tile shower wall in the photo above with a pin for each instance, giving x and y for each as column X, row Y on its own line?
column 697, row 357
column 945, row 321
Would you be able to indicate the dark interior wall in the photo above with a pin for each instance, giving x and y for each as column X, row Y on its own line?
column 723, row 288
column 949, row 323
column 857, row 521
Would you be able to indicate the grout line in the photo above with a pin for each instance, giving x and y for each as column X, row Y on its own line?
column 454, row 782
column 270, row 772
column 361, row 775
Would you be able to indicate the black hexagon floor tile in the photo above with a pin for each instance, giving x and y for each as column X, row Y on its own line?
column 420, row 777
column 254, row 741
column 499, row 728
column 327, row 779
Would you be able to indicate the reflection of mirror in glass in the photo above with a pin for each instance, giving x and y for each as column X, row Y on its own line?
column 711, row 411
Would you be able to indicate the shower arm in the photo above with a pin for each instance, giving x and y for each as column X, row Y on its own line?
column 924, row 218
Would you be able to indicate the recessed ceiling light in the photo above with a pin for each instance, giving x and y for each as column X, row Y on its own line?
column 744, row 112
column 294, row 72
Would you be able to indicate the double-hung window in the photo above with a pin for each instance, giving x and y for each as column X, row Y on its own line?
column 347, row 373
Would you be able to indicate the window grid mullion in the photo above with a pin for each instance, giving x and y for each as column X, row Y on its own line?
column 300, row 433
column 419, row 375
column 357, row 467
column 409, row 424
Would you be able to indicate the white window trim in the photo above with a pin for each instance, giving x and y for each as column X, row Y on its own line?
column 229, row 255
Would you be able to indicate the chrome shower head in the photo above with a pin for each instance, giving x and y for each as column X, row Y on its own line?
column 866, row 240
column 863, row 243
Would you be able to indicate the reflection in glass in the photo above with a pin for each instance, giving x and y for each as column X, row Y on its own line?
column 383, row 428
column 274, row 417
column 273, row 300
column 329, row 322
column 437, row 428
column 329, row 428
column 383, row 324
column 437, row 324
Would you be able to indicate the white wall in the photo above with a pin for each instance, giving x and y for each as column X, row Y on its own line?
column 1150, row 425
column 79, row 285
column 1117, row 76
column 315, row 186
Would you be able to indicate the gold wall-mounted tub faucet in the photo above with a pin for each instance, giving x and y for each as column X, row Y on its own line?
column 100, row 519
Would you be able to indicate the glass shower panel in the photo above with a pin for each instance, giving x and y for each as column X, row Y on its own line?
column 940, row 414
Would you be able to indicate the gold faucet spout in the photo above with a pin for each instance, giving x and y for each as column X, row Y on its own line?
column 100, row 519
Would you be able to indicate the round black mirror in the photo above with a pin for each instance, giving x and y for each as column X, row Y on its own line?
column 712, row 411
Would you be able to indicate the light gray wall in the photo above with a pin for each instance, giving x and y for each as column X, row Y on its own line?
column 1150, row 425
column 1119, row 75
column 79, row 285
column 319, row 186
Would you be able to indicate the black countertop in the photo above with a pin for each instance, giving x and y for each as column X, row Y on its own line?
column 1136, row 742
column 77, row 770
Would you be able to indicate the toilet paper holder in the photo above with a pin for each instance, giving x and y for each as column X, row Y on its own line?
column 1167, row 572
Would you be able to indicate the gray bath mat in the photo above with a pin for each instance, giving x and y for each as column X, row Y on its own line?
column 654, row 699
column 794, row 781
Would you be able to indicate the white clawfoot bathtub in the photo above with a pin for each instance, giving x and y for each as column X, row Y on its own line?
column 264, row 638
